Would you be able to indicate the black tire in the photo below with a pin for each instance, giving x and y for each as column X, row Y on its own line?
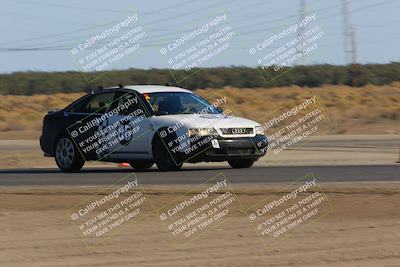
column 67, row 156
column 241, row 163
column 141, row 165
column 162, row 157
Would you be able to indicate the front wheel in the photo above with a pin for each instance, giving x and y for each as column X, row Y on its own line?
column 141, row 165
column 67, row 156
column 241, row 163
column 162, row 157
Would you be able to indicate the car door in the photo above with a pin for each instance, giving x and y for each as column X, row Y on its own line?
column 133, row 127
column 87, row 119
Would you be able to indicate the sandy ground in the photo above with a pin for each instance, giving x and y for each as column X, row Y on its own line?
column 362, row 230
column 318, row 150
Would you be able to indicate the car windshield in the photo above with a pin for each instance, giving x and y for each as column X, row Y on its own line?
column 172, row 103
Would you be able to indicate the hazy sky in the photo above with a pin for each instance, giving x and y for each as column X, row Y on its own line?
column 39, row 34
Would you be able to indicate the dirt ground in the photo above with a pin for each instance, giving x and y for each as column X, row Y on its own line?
column 362, row 230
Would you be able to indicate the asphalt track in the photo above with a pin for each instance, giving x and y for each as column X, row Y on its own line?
column 198, row 175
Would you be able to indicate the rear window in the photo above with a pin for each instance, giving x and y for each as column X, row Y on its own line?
column 98, row 103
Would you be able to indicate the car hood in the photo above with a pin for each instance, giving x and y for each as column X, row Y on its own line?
column 216, row 121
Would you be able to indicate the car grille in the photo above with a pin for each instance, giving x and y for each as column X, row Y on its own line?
column 237, row 131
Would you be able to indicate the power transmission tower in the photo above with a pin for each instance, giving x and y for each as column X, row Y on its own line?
column 353, row 57
column 300, row 32
column 349, row 41
column 346, row 31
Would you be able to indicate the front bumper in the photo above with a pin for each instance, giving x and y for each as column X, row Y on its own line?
column 234, row 148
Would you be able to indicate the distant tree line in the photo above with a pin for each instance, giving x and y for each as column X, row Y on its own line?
column 28, row 83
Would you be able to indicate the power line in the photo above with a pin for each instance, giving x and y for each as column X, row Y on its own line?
column 89, row 28
column 243, row 33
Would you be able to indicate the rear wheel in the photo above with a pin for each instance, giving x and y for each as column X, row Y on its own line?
column 67, row 156
column 162, row 157
column 241, row 163
column 141, row 165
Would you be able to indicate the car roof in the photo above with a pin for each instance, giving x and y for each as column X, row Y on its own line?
column 155, row 88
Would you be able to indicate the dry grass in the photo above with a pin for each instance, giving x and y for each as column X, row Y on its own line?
column 370, row 109
column 23, row 113
column 366, row 110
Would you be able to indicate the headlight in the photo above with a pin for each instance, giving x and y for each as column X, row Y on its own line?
column 260, row 130
column 201, row 131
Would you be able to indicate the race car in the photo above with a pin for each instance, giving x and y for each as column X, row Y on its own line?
column 147, row 124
